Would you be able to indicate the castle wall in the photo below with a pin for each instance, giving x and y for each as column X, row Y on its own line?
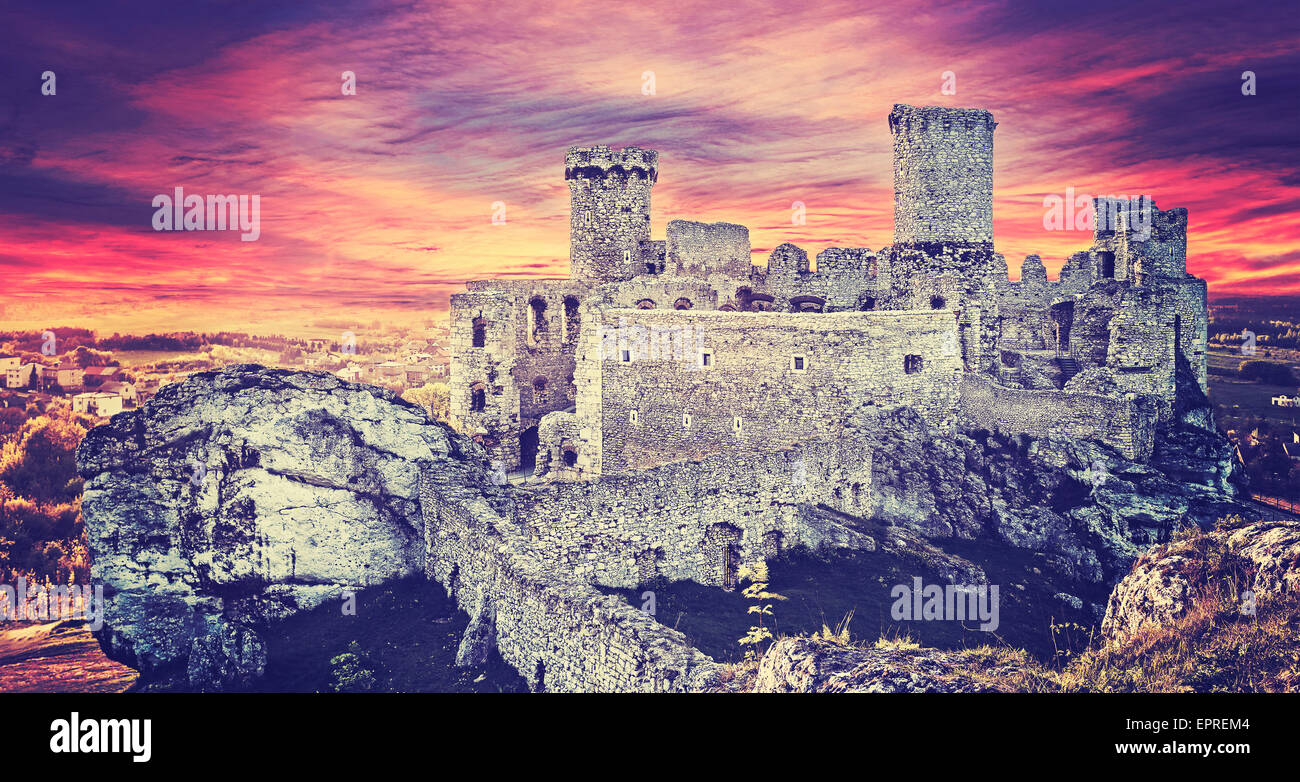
column 1127, row 425
column 677, row 520
column 771, row 379
column 561, row 634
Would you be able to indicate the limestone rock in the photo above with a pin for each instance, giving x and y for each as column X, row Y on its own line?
column 239, row 497
column 479, row 639
column 1164, row 580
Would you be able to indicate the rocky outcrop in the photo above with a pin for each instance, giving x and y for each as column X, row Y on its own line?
column 1085, row 506
column 239, row 497
column 814, row 665
column 1167, row 580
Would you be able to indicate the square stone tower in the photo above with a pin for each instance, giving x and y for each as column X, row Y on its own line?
column 943, row 176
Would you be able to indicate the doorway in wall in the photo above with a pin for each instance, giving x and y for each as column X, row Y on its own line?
column 528, row 449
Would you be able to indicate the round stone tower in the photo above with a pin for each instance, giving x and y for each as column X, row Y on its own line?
column 943, row 176
column 609, row 210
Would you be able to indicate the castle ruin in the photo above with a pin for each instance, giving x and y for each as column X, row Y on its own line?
column 658, row 350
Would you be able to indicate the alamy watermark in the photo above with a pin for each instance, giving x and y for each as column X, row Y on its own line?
column 22, row 602
column 952, row 602
column 654, row 343
column 180, row 212
column 1081, row 212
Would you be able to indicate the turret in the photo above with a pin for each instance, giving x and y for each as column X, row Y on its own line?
column 609, row 210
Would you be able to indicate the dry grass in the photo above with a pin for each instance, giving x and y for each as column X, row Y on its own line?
column 1212, row 647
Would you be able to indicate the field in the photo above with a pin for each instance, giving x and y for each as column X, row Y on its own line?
column 1242, row 399
column 1231, row 359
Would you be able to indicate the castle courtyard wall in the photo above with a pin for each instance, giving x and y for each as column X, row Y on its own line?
column 771, row 380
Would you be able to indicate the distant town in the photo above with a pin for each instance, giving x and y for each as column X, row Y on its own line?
column 101, row 376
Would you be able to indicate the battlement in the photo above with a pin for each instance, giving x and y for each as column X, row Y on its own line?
column 601, row 161
column 923, row 119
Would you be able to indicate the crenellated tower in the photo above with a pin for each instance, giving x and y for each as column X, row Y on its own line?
column 609, row 210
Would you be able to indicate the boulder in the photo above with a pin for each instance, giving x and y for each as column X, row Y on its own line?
column 1166, row 580
column 239, row 497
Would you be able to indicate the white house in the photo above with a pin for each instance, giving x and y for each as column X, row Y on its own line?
column 23, row 376
column 98, row 403
column 123, row 389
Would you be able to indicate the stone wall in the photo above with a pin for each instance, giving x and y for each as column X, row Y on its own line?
column 700, row 520
column 752, row 382
column 700, row 249
column 1125, row 424
column 561, row 634
column 524, row 367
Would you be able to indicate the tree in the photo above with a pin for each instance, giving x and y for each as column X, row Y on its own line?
column 1268, row 372
column 433, row 397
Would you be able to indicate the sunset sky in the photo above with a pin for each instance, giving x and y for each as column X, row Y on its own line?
column 378, row 206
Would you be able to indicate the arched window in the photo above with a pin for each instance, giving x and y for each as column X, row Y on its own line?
column 682, row 304
column 539, row 390
column 570, row 457
column 807, row 304
column 477, row 398
column 571, row 319
column 480, row 332
column 537, row 314
column 645, row 304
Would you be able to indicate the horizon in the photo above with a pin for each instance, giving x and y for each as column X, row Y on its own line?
column 377, row 206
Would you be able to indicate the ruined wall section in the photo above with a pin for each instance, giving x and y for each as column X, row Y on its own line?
column 530, row 330
column 702, row 520
column 703, row 249
column 1126, row 424
column 1143, row 241
column 846, row 279
column 1189, row 299
column 483, row 398
column 943, row 175
column 561, row 634
column 558, row 443
column 756, row 382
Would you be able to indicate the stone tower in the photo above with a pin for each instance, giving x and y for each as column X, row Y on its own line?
column 609, row 210
column 943, row 176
